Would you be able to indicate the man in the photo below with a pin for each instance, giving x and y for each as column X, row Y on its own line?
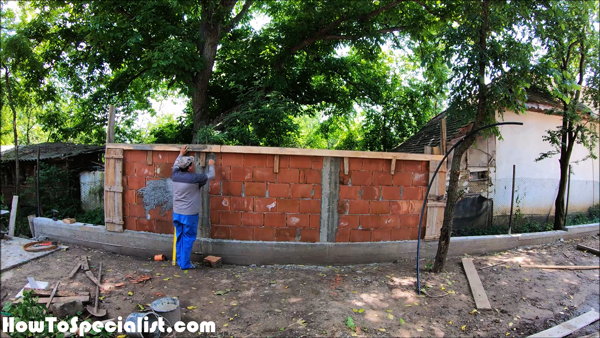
column 186, row 204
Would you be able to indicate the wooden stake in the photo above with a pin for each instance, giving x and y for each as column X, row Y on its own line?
column 346, row 165
column 481, row 299
column 149, row 157
column 276, row 163
column 203, row 159
column 110, row 130
column 393, row 166
column 51, row 296
column 443, row 136
column 13, row 216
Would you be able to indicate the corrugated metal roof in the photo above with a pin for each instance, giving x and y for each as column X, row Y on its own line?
column 49, row 151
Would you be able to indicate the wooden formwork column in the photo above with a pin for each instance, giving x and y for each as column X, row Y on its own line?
column 436, row 202
column 113, row 190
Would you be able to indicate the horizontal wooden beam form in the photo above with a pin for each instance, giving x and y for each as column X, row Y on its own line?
column 278, row 151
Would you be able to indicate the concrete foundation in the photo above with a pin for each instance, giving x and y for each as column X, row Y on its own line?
column 145, row 244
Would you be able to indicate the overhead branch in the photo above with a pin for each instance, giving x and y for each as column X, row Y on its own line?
column 239, row 16
column 355, row 37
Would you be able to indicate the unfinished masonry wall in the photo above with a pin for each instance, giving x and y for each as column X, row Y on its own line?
column 282, row 197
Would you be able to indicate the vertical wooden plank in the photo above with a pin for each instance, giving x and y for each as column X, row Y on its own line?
column 13, row 216
column 109, row 181
column 110, row 129
column 149, row 157
column 443, row 137
column 113, row 196
column 118, row 195
column 276, row 163
column 481, row 299
column 31, row 227
column 393, row 167
column 428, row 150
column 436, row 205
column 436, row 150
column 203, row 159
column 346, row 165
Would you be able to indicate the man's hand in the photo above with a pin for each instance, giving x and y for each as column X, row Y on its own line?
column 211, row 162
column 183, row 150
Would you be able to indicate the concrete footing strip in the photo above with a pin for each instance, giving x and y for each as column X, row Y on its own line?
column 145, row 244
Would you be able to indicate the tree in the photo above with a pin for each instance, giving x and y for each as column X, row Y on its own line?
column 567, row 32
column 484, row 44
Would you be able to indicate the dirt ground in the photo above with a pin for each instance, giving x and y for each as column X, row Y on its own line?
column 276, row 300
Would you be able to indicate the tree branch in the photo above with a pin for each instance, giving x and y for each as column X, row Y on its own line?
column 238, row 17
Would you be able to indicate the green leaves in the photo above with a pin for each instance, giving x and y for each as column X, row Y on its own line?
column 350, row 323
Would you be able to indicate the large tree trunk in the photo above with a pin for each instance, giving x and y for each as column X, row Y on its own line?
column 14, row 111
column 480, row 118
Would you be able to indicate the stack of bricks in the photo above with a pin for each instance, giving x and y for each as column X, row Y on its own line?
column 250, row 201
column 375, row 205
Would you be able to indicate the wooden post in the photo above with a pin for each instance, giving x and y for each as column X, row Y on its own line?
column 203, row 159
column 113, row 190
column 512, row 199
column 276, row 163
column 346, row 165
column 110, row 130
column 37, row 183
column 149, row 157
column 393, row 167
column 436, row 202
column 13, row 216
column 568, row 194
column 443, row 137
column 31, row 227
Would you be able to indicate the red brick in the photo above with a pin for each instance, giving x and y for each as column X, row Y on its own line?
column 348, row 222
column 220, row 203
column 381, row 235
column 408, row 221
column 129, row 223
column 353, row 164
column 284, row 205
column 411, row 193
column 284, row 161
column 369, row 221
column 288, row 176
column 135, row 183
column 389, row 221
column 301, row 190
column 215, row 188
column 234, row 160
column 139, row 199
column 298, row 221
column 300, row 162
column 420, row 179
column 310, row 206
column 264, row 175
column 160, row 157
column 275, row 220
column 382, row 178
column 220, row 232
column 232, row 188
column 390, row 193
column 143, row 169
column 369, row 193
column 264, row 234
column 344, row 179
column 241, row 174
column 252, row 219
column 315, row 221
column 223, row 173
column 278, row 190
column 372, row 164
column 309, row 235
column 402, row 179
column 215, row 217
column 378, row 207
column 413, row 233
column 255, row 160
column 358, row 207
column 342, row 236
column 360, row 178
column 242, row 234
column 265, row 204
column 231, row 218
column 129, row 197
column 164, row 227
column 349, row 193
column 399, row 207
column 163, row 170
column 310, row 176
column 415, row 207
column 137, row 210
column 156, row 214
column 317, row 192
column 401, row 234
column 317, row 163
column 360, row 235
column 171, row 156
column 255, row 189
column 143, row 224
column 242, row 204
column 342, row 207
column 413, row 166
column 134, row 156
column 285, row 235
column 129, row 169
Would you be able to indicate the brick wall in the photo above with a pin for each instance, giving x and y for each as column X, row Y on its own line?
column 249, row 201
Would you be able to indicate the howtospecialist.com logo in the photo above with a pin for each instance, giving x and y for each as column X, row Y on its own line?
column 10, row 326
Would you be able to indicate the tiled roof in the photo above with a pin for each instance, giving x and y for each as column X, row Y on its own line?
column 50, row 150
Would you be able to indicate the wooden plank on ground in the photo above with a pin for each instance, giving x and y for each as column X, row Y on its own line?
column 75, row 269
column 13, row 216
column 84, row 263
column 59, row 293
column 83, row 299
column 481, row 300
column 562, row 267
column 92, row 278
column 570, row 326
column 589, row 249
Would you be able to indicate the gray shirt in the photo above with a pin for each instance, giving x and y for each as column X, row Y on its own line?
column 186, row 190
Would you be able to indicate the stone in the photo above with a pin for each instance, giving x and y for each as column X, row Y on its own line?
column 66, row 310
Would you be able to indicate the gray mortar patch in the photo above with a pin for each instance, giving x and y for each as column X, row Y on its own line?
column 158, row 193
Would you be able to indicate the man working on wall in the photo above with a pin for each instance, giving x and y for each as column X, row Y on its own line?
column 186, row 204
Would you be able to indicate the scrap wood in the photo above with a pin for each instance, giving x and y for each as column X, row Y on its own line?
column 75, row 269
column 83, row 299
column 51, row 296
column 481, row 299
column 59, row 293
column 570, row 326
column 118, row 285
column 490, row 266
column 587, row 248
column 562, row 267
column 84, row 263
column 92, row 278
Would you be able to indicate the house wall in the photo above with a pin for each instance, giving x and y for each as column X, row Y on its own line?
column 537, row 182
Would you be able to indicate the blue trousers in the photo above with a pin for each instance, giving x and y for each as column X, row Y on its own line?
column 186, row 229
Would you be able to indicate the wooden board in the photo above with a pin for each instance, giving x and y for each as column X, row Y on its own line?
column 31, row 227
column 562, row 267
column 83, row 299
column 60, row 293
column 149, row 157
column 276, row 163
column 84, row 263
column 589, row 249
column 346, row 165
column 13, row 216
column 113, row 190
column 75, row 269
column 92, row 278
column 570, row 326
column 393, row 166
column 481, row 300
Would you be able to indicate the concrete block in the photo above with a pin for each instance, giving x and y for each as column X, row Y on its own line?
column 66, row 310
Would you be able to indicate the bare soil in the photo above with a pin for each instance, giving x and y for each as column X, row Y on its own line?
column 296, row 300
